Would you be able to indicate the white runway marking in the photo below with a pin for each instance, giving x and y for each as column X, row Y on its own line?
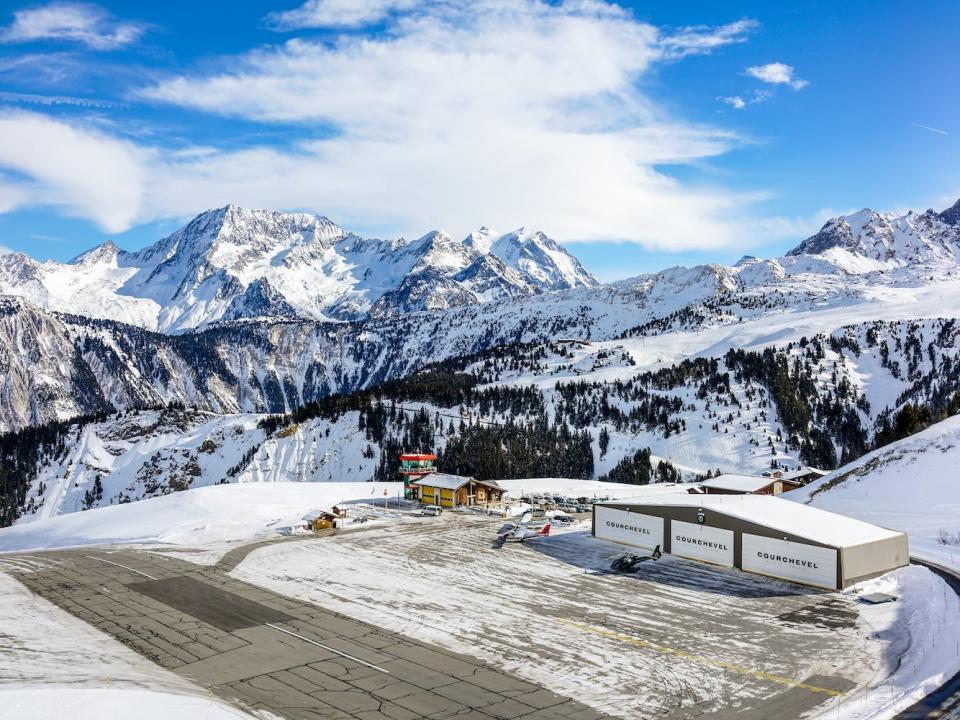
column 327, row 647
column 111, row 562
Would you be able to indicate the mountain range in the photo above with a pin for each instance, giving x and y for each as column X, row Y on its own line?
column 234, row 263
column 243, row 314
column 239, row 264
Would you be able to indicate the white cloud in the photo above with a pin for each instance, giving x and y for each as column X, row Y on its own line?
column 83, row 23
column 504, row 113
column 776, row 73
column 87, row 173
column 703, row 39
column 734, row 101
column 336, row 13
column 461, row 114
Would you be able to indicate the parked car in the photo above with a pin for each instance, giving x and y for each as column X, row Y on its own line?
column 563, row 520
column 538, row 513
column 567, row 508
column 431, row 511
column 583, row 508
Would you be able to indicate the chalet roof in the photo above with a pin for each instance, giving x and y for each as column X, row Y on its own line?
column 739, row 483
column 314, row 514
column 446, row 481
column 803, row 472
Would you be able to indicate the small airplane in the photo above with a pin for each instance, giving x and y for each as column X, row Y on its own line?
column 520, row 532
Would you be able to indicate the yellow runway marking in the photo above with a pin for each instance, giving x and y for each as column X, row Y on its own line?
column 663, row 650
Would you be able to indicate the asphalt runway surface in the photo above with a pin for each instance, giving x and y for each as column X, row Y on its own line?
column 261, row 651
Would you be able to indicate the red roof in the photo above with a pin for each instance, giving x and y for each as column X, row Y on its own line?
column 417, row 456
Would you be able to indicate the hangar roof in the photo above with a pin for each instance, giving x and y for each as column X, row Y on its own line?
column 739, row 483
column 778, row 514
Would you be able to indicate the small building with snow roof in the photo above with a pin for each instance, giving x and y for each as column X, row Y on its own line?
column 453, row 490
column 756, row 533
column 730, row 484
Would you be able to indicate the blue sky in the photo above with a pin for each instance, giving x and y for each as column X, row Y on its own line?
column 642, row 135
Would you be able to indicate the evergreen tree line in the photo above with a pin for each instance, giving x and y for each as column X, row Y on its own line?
column 511, row 450
column 638, row 469
column 22, row 451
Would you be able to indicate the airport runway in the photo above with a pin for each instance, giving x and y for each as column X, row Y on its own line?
column 261, row 651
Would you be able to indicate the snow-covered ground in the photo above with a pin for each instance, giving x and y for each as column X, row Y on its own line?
column 54, row 665
column 622, row 644
column 923, row 638
column 213, row 518
column 218, row 517
column 911, row 485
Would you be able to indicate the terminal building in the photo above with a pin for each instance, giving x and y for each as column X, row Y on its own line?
column 452, row 491
column 756, row 533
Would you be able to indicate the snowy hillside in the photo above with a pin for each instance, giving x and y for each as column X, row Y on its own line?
column 910, row 485
column 618, row 410
column 235, row 263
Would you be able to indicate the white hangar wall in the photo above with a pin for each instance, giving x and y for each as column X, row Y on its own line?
column 756, row 533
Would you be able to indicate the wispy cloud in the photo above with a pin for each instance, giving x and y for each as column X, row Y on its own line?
column 703, row 39
column 734, row 101
column 455, row 114
column 34, row 99
column 87, row 24
column 777, row 73
column 335, row 13
column 931, row 129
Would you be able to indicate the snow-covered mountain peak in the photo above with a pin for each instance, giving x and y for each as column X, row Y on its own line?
column 234, row 262
column 867, row 241
column 481, row 240
column 104, row 253
column 540, row 258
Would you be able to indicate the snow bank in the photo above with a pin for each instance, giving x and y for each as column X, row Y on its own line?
column 54, row 665
column 218, row 515
column 910, row 485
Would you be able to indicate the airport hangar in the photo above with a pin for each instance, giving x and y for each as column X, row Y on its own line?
column 756, row 533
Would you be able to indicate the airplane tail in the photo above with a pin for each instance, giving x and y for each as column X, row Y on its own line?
column 545, row 531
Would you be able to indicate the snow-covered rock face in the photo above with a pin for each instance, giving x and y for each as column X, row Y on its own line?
column 233, row 263
column 867, row 241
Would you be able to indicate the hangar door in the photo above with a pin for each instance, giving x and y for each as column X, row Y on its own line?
column 628, row 528
column 701, row 542
column 802, row 563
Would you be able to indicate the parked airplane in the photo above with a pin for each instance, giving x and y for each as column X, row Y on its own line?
column 520, row 532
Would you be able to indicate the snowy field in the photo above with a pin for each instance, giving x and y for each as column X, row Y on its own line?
column 54, row 665
column 212, row 519
column 218, row 517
